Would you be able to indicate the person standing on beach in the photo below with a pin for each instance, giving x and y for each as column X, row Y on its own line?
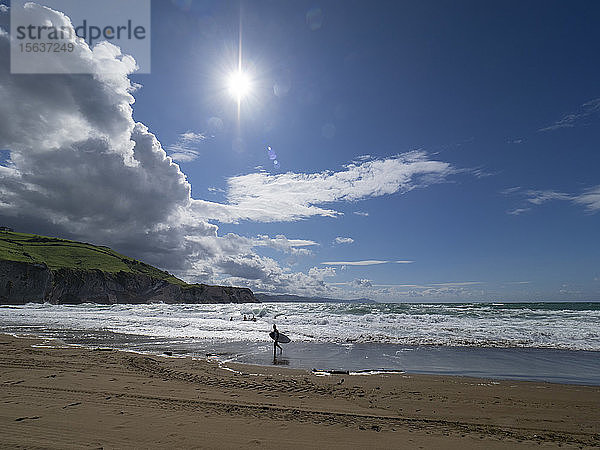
column 276, row 343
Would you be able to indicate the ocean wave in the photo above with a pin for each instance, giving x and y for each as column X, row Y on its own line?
column 564, row 326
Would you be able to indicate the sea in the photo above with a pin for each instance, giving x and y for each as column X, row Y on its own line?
column 551, row 342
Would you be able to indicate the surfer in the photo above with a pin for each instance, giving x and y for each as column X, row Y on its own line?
column 275, row 336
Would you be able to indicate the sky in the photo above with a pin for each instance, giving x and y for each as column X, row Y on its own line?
column 425, row 150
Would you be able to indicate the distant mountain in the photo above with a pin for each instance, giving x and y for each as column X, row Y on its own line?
column 48, row 269
column 263, row 298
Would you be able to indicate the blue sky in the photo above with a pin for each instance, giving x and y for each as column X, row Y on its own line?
column 459, row 138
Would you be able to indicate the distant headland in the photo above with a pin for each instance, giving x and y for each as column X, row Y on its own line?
column 42, row 269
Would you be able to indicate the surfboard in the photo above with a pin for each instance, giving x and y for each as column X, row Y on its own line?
column 283, row 339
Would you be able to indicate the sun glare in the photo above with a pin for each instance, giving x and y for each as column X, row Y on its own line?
column 239, row 85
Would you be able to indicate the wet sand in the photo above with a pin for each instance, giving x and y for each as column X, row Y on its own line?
column 74, row 397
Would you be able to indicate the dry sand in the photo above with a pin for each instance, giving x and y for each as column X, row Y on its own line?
column 74, row 397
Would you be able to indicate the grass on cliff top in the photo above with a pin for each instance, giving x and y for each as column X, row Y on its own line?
column 61, row 253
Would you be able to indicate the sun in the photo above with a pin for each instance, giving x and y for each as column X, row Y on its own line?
column 239, row 85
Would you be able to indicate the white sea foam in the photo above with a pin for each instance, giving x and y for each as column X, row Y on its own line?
column 476, row 325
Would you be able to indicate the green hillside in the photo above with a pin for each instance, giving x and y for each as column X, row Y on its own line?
column 61, row 253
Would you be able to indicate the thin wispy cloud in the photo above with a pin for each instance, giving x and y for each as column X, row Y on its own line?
column 186, row 147
column 517, row 211
column 589, row 198
column 543, row 196
column 511, row 190
column 367, row 262
column 361, row 213
column 283, row 244
column 583, row 116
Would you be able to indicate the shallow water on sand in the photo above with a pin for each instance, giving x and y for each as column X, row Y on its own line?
column 530, row 364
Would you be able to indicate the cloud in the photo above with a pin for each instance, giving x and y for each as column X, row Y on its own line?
column 589, row 198
column 361, row 282
column 343, row 240
column 186, row 147
column 82, row 168
column 517, row 211
column 264, row 274
column 586, row 112
column 367, row 262
column 361, row 213
column 539, row 197
column 264, row 197
column 283, row 244
column 511, row 190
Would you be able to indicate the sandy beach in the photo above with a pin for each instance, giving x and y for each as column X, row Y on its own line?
column 55, row 396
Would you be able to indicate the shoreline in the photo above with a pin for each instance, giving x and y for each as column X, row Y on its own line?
column 559, row 366
column 74, row 396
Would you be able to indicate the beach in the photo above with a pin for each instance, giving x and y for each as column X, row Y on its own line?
column 59, row 396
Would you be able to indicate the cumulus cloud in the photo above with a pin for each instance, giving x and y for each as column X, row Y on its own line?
column 343, row 240
column 361, row 282
column 586, row 112
column 81, row 167
column 186, row 147
column 265, row 275
column 265, row 197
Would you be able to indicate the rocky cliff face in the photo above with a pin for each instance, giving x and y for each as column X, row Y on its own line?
column 21, row 283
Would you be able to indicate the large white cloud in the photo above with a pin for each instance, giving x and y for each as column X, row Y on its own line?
column 264, row 197
column 81, row 167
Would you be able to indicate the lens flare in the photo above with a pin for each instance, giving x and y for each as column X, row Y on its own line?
column 273, row 157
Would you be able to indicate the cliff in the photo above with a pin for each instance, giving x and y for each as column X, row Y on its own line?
column 42, row 269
